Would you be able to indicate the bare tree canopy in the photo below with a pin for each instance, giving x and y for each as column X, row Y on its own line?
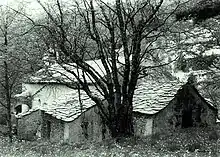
column 122, row 36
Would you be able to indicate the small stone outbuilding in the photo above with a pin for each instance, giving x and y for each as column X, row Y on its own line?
column 158, row 107
column 88, row 126
column 171, row 106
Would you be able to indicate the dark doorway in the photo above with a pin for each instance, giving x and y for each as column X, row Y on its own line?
column 189, row 106
column 47, row 129
column 187, row 120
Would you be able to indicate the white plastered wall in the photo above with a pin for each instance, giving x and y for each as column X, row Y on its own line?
column 46, row 94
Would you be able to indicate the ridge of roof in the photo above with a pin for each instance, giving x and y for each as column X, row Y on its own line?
column 61, row 73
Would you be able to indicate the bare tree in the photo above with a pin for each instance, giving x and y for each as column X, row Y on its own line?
column 127, row 30
column 14, row 58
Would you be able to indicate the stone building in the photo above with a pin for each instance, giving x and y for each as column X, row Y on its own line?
column 48, row 109
column 179, row 105
column 41, row 124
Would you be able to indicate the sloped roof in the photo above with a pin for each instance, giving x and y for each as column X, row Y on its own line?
column 71, row 109
column 66, row 108
column 152, row 96
column 56, row 73
column 201, row 80
column 149, row 98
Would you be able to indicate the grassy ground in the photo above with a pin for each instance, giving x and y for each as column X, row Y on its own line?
column 187, row 143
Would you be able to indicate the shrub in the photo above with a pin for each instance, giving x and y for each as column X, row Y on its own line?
column 213, row 135
column 173, row 147
column 193, row 147
column 155, row 138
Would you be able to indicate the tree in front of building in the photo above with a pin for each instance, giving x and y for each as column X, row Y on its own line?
column 122, row 35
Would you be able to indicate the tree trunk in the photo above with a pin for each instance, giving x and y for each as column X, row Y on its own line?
column 125, row 123
column 8, row 101
column 9, row 126
column 121, row 124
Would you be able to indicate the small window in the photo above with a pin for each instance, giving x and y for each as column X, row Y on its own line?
column 18, row 109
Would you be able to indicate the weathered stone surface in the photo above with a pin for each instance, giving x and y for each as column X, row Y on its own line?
column 189, row 110
column 39, row 124
column 87, row 127
column 143, row 124
column 28, row 125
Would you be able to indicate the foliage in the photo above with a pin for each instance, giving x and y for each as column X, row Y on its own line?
column 188, row 142
column 16, row 57
column 200, row 10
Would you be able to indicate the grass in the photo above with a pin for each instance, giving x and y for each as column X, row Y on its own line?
column 187, row 143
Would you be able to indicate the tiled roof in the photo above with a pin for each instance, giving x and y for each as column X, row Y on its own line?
column 149, row 98
column 56, row 73
column 152, row 96
column 71, row 109
column 66, row 108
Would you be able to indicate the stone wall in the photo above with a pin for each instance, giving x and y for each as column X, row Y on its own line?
column 208, row 113
column 209, row 116
column 52, row 128
column 170, row 118
column 87, row 127
column 164, row 120
column 28, row 125
column 143, row 124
